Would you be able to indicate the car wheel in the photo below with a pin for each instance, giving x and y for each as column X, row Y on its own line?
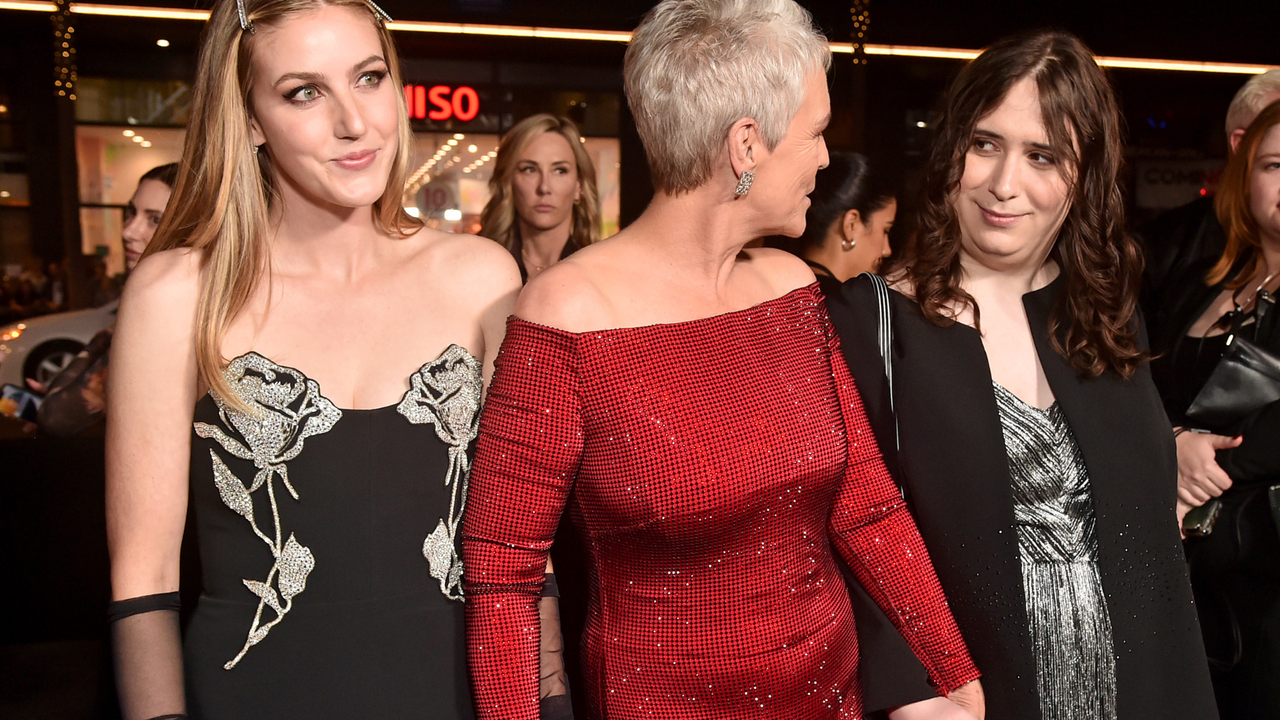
column 46, row 361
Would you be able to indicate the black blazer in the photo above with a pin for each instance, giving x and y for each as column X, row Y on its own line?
column 955, row 473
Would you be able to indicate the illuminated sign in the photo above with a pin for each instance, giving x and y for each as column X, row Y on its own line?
column 441, row 102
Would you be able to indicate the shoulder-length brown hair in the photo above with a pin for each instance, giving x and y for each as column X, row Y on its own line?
column 1232, row 204
column 498, row 221
column 224, row 189
column 1093, row 324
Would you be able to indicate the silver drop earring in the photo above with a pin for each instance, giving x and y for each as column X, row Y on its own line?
column 744, row 183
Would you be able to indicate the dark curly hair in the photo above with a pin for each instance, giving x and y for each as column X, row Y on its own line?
column 1094, row 324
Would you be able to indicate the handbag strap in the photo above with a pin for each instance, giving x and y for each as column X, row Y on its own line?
column 884, row 338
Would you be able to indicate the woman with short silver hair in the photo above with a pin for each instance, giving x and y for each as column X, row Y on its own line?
column 684, row 389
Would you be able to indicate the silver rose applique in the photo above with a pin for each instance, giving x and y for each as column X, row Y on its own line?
column 289, row 408
column 446, row 393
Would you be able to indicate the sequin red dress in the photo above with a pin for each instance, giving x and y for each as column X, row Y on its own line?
column 716, row 462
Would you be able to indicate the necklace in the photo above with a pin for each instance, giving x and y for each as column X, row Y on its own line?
column 1258, row 293
column 1259, row 302
column 822, row 269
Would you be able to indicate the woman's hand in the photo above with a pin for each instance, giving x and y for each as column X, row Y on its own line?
column 1182, row 510
column 938, row 708
column 964, row 703
column 1199, row 476
column 971, row 698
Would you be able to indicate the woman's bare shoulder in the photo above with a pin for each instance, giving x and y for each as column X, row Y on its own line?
column 782, row 271
column 566, row 296
column 156, row 324
column 165, row 282
column 479, row 266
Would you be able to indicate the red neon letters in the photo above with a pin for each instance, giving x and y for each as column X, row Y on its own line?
column 462, row 103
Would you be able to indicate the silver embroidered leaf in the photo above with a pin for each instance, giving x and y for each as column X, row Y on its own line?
column 254, row 638
column 230, row 489
column 296, row 563
column 439, row 551
column 259, row 478
column 266, row 592
column 213, row 432
column 455, row 576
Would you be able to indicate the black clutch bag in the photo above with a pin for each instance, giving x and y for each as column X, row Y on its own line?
column 1245, row 379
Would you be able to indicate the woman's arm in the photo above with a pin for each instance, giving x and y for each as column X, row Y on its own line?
column 150, row 406
column 502, row 279
column 877, row 537
column 526, row 458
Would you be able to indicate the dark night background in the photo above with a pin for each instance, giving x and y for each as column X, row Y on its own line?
column 53, row 653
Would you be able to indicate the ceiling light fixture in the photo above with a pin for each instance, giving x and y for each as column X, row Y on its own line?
column 529, row 31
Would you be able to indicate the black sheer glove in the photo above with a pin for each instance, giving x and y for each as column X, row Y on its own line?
column 554, row 702
column 148, row 657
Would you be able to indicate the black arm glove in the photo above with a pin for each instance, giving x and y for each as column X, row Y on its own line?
column 147, row 645
column 554, row 702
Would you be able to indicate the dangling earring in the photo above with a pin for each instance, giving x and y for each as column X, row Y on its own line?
column 255, row 149
column 744, row 183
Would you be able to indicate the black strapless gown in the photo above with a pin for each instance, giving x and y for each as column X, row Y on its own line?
column 332, row 585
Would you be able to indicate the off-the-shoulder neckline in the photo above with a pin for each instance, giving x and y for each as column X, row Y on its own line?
column 811, row 289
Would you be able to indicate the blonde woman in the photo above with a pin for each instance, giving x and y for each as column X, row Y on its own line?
column 543, row 205
column 301, row 362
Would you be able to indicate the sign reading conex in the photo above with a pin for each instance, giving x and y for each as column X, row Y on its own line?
column 441, row 102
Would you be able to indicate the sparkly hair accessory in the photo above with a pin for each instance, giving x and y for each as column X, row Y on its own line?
column 379, row 12
column 247, row 26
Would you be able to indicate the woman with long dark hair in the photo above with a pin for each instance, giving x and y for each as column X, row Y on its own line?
column 1232, row 470
column 1020, row 410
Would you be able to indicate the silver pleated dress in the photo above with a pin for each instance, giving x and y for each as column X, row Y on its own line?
column 1067, row 616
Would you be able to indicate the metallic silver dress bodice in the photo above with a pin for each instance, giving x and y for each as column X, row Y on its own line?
column 1067, row 613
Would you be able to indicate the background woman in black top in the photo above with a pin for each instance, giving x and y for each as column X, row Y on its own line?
column 1235, row 570
column 1033, row 446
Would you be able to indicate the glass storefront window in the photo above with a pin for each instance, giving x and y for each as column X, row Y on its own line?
column 133, row 102
column 111, row 158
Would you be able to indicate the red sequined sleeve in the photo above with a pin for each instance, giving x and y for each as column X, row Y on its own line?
column 874, row 532
column 527, row 455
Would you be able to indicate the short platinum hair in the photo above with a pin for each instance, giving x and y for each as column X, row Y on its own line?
column 1252, row 98
column 695, row 67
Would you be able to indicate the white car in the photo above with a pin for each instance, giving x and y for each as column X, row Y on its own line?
column 41, row 347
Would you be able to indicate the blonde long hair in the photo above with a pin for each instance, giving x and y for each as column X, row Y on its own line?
column 498, row 221
column 224, row 191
